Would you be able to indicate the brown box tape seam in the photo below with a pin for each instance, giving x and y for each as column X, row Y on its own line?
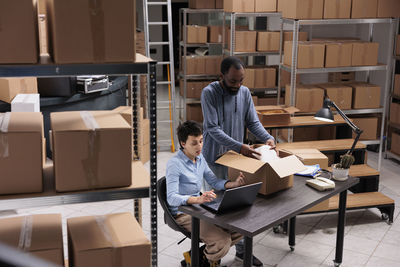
column 116, row 254
column 25, row 236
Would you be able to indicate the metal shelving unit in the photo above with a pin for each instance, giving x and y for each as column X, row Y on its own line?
column 183, row 46
column 293, row 70
column 389, row 154
column 142, row 66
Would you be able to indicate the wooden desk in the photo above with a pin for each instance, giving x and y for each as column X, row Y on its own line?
column 268, row 211
column 323, row 145
column 306, row 121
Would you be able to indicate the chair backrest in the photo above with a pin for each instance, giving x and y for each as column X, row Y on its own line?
column 168, row 218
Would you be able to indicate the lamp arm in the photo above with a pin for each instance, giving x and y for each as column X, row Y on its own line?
column 355, row 129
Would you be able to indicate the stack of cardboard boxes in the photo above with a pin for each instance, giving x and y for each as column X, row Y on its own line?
column 259, row 77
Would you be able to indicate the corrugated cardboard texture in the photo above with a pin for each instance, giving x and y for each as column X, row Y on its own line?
column 268, row 115
column 338, row 55
column 200, row 4
column 276, row 175
column 194, row 112
column 268, row 41
column 365, row 54
column 364, row 9
column 196, row 34
column 214, row 34
column 366, row 95
column 18, row 32
column 81, row 163
column 396, row 88
column 309, row 98
column 309, row 55
column 337, row 9
column 310, row 157
column 339, row 93
column 249, row 78
column 107, row 241
column 193, row 88
column 46, row 237
column 388, row 9
column 369, row 127
column 239, row 6
column 21, row 172
column 265, row 5
column 395, row 144
column 195, row 65
column 245, row 41
column 302, row 9
column 85, row 31
column 213, row 65
column 10, row 87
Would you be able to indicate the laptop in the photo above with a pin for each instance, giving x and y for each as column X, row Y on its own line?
column 233, row 198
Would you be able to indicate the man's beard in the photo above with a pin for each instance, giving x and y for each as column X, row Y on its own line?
column 230, row 90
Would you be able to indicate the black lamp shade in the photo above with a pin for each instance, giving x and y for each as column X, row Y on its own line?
column 324, row 114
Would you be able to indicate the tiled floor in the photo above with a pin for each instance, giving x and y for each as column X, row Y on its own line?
column 369, row 241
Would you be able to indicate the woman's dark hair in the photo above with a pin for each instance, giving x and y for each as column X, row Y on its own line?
column 231, row 61
column 188, row 128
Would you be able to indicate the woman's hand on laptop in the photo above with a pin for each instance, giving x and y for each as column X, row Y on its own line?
column 238, row 182
column 207, row 196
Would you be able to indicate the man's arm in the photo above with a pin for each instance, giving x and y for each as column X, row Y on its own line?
column 211, row 122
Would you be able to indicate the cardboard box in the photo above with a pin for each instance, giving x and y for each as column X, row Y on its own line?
column 215, row 34
column 365, row 54
column 265, row 5
column 196, row 34
column 285, row 78
column 39, row 235
column 394, row 113
column 193, row 88
column 249, row 78
column 310, row 156
column 395, row 144
column 195, row 65
column 106, row 35
column 366, row 95
column 369, row 127
column 18, row 32
column 342, row 76
column 242, row 6
column 213, row 65
column 245, row 41
column 219, row 4
column 275, row 115
column 265, row 78
column 194, row 112
column 21, row 132
column 388, row 9
column 26, row 103
column 288, row 36
column 337, row 9
column 276, row 175
column 269, row 101
column 396, row 87
column 107, row 241
column 302, row 9
column 309, row 98
column 10, row 87
column 338, row 54
column 202, row 4
column 339, row 93
column 364, row 9
column 309, row 55
column 268, row 41
column 91, row 150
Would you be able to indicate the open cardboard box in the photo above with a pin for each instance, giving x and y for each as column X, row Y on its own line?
column 275, row 114
column 275, row 175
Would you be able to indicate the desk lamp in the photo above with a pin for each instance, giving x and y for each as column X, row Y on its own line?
column 325, row 114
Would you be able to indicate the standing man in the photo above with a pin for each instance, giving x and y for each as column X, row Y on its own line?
column 228, row 110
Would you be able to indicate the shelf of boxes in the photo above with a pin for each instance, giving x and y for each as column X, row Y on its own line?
column 293, row 70
column 142, row 187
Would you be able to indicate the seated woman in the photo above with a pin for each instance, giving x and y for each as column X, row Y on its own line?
column 185, row 174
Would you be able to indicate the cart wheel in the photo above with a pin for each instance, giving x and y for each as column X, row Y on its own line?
column 291, row 248
column 385, row 216
column 336, row 264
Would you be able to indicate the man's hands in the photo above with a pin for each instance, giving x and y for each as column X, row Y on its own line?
column 271, row 143
column 207, row 196
column 247, row 151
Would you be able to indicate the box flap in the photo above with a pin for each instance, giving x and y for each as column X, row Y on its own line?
column 237, row 161
column 310, row 153
column 25, row 122
column 291, row 110
column 287, row 166
column 73, row 121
